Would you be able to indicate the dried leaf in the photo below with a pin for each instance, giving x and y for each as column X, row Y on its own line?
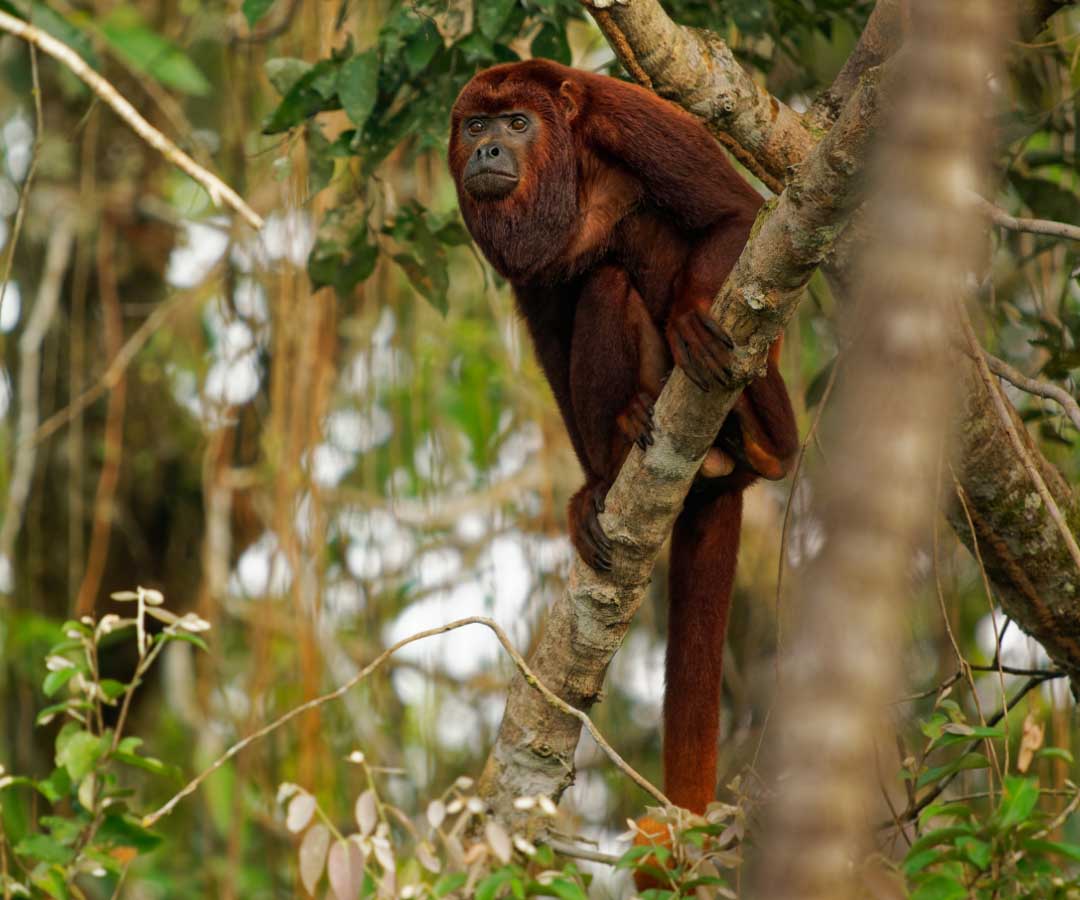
column 499, row 840
column 1030, row 742
column 436, row 813
column 313, row 855
column 384, row 853
column 366, row 812
column 346, row 877
column 301, row 809
column 427, row 858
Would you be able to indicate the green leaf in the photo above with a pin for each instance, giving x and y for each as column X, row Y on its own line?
column 111, row 689
column 448, row 884
column 635, row 854
column 565, row 890
column 147, row 763
column 488, row 888
column 960, row 734
column 975, row 851
column 56, row 680
column 124, row 831
column 284, row 71
column 916, row 862
column 52, row 881
column 1055, row 753
column 56, row 787
column 967, row 761
column 940, row 887
column 946, row 835
column 422, row 47
column 430, row 281
column 551, row 43
column 255, row 10
column 78, row 751
column 491, row 15
column 54, row 24
column 1018, row 800
column 148, row 52
column 342, row 266
column 50, row 711
column 1069, row 851
column 358, row 86
column 956, row 810
column 315, row 91
column 167, row 637
column 44, row 849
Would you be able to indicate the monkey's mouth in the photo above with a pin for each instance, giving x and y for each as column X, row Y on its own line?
column 490, row 185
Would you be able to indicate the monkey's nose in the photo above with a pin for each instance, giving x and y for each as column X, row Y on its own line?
column 488, row 151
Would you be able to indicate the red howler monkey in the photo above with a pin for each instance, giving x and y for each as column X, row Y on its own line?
column 616, row 218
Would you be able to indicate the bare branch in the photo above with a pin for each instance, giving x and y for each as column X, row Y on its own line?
column 1033, row 226
column 1035, row 386
column 375, row 664
column 57, row 256
column 220, row 193
column 698, row 70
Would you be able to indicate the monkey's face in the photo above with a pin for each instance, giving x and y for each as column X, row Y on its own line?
column 497, row 148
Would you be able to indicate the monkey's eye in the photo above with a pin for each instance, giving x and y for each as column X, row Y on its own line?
column 475, row 126
column 519, row 123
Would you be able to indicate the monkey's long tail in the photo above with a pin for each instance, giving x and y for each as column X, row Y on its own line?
column 704, row 546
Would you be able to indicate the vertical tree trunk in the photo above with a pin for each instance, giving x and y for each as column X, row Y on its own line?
column 876, row 493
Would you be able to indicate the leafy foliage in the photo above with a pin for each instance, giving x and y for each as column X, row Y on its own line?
column 93, row 832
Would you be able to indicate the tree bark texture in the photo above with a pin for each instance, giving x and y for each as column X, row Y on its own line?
column 875, row 496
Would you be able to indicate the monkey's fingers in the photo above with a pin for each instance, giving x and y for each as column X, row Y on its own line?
column 685, row 360
column 714, row 346
column 636, row 420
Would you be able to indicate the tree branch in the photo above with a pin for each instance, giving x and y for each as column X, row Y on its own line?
column 220, row 193
column 534, row 751
column 698, row 70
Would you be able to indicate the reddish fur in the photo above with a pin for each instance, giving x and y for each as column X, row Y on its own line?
column 627, row 216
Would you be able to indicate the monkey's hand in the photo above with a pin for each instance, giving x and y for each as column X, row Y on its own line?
column 700, row 347
column 636, row 421
column 586, row 534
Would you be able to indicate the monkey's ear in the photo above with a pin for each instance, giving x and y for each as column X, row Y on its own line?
column 571, row 95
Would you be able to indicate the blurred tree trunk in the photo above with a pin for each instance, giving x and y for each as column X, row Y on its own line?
column 875, row 496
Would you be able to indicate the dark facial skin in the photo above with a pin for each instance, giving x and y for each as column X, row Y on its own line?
column 496, row 145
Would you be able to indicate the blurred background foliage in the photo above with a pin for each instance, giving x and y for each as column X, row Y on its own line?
column 328, row 435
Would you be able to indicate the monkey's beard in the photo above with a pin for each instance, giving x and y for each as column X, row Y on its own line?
column 524, row 234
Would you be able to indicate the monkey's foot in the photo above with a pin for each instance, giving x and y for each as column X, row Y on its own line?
column 586, row 534
column 700, row 347
column 636, row 421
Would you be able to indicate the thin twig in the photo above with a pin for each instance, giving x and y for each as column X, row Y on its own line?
column 992, row 604
column 110, row 376
column 24, row 193
column 379, row 660
column 57, row 255
column 1035, row 386
column 113, row 325
column 1015, row 440
column 1032, row 226
column 220, row 193
column 581, row 853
